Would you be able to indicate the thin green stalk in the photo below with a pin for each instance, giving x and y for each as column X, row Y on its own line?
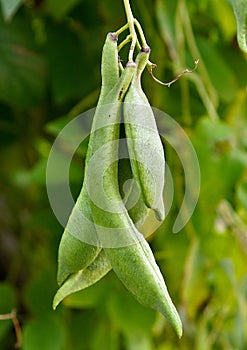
column 189, row 266
column 122, row 29
column 130, row 20
column 124, row 42
column 180, row 45
column 141, row 33
column 212, row 113
column 195, row 51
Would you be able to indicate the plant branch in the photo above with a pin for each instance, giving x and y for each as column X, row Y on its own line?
column 16, row 324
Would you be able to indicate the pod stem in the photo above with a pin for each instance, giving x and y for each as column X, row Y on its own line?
column 141, row 33
column 122, row 29
column 133, row 25
column 124, row 42
column 131, row 21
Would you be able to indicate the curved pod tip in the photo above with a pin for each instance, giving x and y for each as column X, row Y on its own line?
column 175, row 321
column 55, row 302
column 179, row 329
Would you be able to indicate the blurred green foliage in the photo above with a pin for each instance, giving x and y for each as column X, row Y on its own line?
column 49, row 73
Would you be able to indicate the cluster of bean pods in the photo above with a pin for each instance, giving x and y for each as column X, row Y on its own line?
column 110, row 223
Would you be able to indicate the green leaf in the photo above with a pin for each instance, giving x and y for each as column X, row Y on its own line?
column 220, row 168
column 40, row 290
column 222, row 14
column 138, row 326
column 60, row 8
column 66, row 62
column 166, row 16
column 106, row 337
column 22, row 68
column 7, row 298
column 9, row 8
column 242, row 194
column 222, row 76
column 46, row 333
column 81, row 326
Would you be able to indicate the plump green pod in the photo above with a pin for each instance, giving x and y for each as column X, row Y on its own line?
column 109, row 213
column 74, row 253
column 90, row 253
column 134, row 263
column 144, row 143
column 101, row 265
column 135, row 266
column 128, row 252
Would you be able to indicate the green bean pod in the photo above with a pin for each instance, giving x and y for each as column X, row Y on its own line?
column 74, row 253
column 144, row 143
column 102, row 184
column 99, row 264
column 134, row 262
column 135, row 266
column 128, row 252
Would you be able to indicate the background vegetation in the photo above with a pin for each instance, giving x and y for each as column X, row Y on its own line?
column 50, row 72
